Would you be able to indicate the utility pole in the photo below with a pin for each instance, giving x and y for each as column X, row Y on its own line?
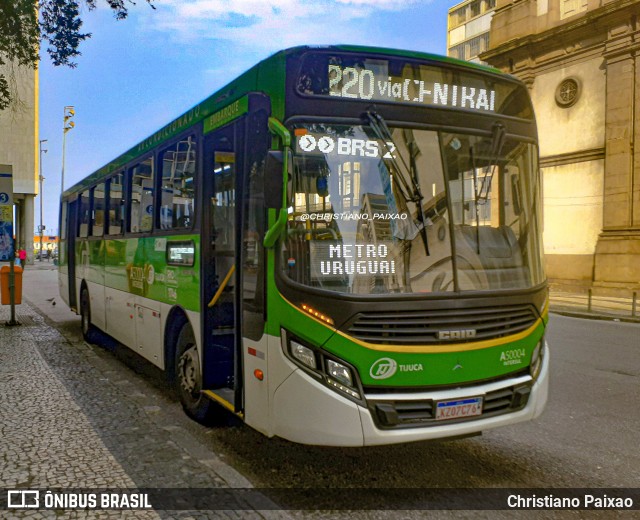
column 41, row 196
column 69, row 112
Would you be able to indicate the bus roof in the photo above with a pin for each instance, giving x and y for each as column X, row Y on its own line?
column 266, row 76
column 411, row 54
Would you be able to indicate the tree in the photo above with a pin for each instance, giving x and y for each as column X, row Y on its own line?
column 25, row 24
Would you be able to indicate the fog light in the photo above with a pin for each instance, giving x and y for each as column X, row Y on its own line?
column 339, row 372
column 303, row 354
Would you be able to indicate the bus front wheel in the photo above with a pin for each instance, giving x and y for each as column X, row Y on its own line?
column 188, row 378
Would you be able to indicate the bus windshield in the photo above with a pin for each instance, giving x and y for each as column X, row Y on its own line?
column 378, row 210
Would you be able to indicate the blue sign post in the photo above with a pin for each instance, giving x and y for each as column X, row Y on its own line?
column 7, row 248
column 7, row 252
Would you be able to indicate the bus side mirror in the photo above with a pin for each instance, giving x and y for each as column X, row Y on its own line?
column 273, row 184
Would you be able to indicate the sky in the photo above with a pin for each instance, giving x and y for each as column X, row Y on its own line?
column 136, row 75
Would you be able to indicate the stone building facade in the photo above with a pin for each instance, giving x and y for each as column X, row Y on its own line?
column 19, row 152
column 581, row 61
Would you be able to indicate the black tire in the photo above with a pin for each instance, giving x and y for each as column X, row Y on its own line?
column 88, row 330
column 188, row 378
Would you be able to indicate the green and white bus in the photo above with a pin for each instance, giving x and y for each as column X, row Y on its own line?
column 341, row 247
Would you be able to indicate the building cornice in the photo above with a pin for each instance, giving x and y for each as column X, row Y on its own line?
column 592, row 154
column 586, row 27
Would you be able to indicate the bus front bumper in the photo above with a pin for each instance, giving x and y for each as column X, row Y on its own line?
column 308, row 412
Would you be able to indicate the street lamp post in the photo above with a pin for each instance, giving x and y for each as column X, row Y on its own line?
column 69, row 112
column 41, row 196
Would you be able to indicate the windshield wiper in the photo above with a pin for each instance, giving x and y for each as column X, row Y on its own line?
column 410, row 190
column 481, row 195
column 476, row 204
column 380, row 128
column 498, row 134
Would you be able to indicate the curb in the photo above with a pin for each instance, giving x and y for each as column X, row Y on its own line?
column 563, row 311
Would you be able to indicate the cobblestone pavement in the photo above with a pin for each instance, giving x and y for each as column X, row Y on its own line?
column 71, row 415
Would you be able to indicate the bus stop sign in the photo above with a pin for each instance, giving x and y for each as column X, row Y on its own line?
column 6, row 214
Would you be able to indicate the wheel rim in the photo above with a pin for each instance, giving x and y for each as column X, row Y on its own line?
column 189, row 371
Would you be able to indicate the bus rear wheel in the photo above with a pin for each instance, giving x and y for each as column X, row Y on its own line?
column 188, row 378
column 85, row 316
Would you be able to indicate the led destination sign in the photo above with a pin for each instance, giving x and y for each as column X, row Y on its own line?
column 353, row 77
column 318, row 144
column 349, row 82
column 181, row 253
column 331, row 260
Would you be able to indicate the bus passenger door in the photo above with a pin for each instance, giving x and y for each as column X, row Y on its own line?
column 219, row 262
column 233, row 227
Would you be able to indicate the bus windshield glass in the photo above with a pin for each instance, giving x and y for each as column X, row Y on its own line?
column 378, row 210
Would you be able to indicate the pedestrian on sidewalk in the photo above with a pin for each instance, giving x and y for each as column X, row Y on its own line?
column 22, row 256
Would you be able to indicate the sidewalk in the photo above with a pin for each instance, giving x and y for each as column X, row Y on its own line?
column 47, row 442
column 581, row 305
column 40, row 290
column 72, row 415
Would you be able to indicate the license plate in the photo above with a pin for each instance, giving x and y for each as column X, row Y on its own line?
column 458, row 408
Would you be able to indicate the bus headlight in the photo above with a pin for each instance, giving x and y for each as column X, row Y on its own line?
column 536, row 360
column 326, row 368
column 303, row 354
column 339, row 372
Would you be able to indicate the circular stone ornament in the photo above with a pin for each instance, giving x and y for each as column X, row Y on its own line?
column 568, row 92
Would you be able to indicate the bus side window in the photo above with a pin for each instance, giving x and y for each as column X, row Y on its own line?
column 253, row 254
column 224, row 201
column 116, row 204
column 97, row 212
column 178, row 170
column 141, row 216
column 84, row 217
column 63, row 221
column 254, row 227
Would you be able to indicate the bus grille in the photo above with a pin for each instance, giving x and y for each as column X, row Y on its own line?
column 415, row 413
column 422, row 327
